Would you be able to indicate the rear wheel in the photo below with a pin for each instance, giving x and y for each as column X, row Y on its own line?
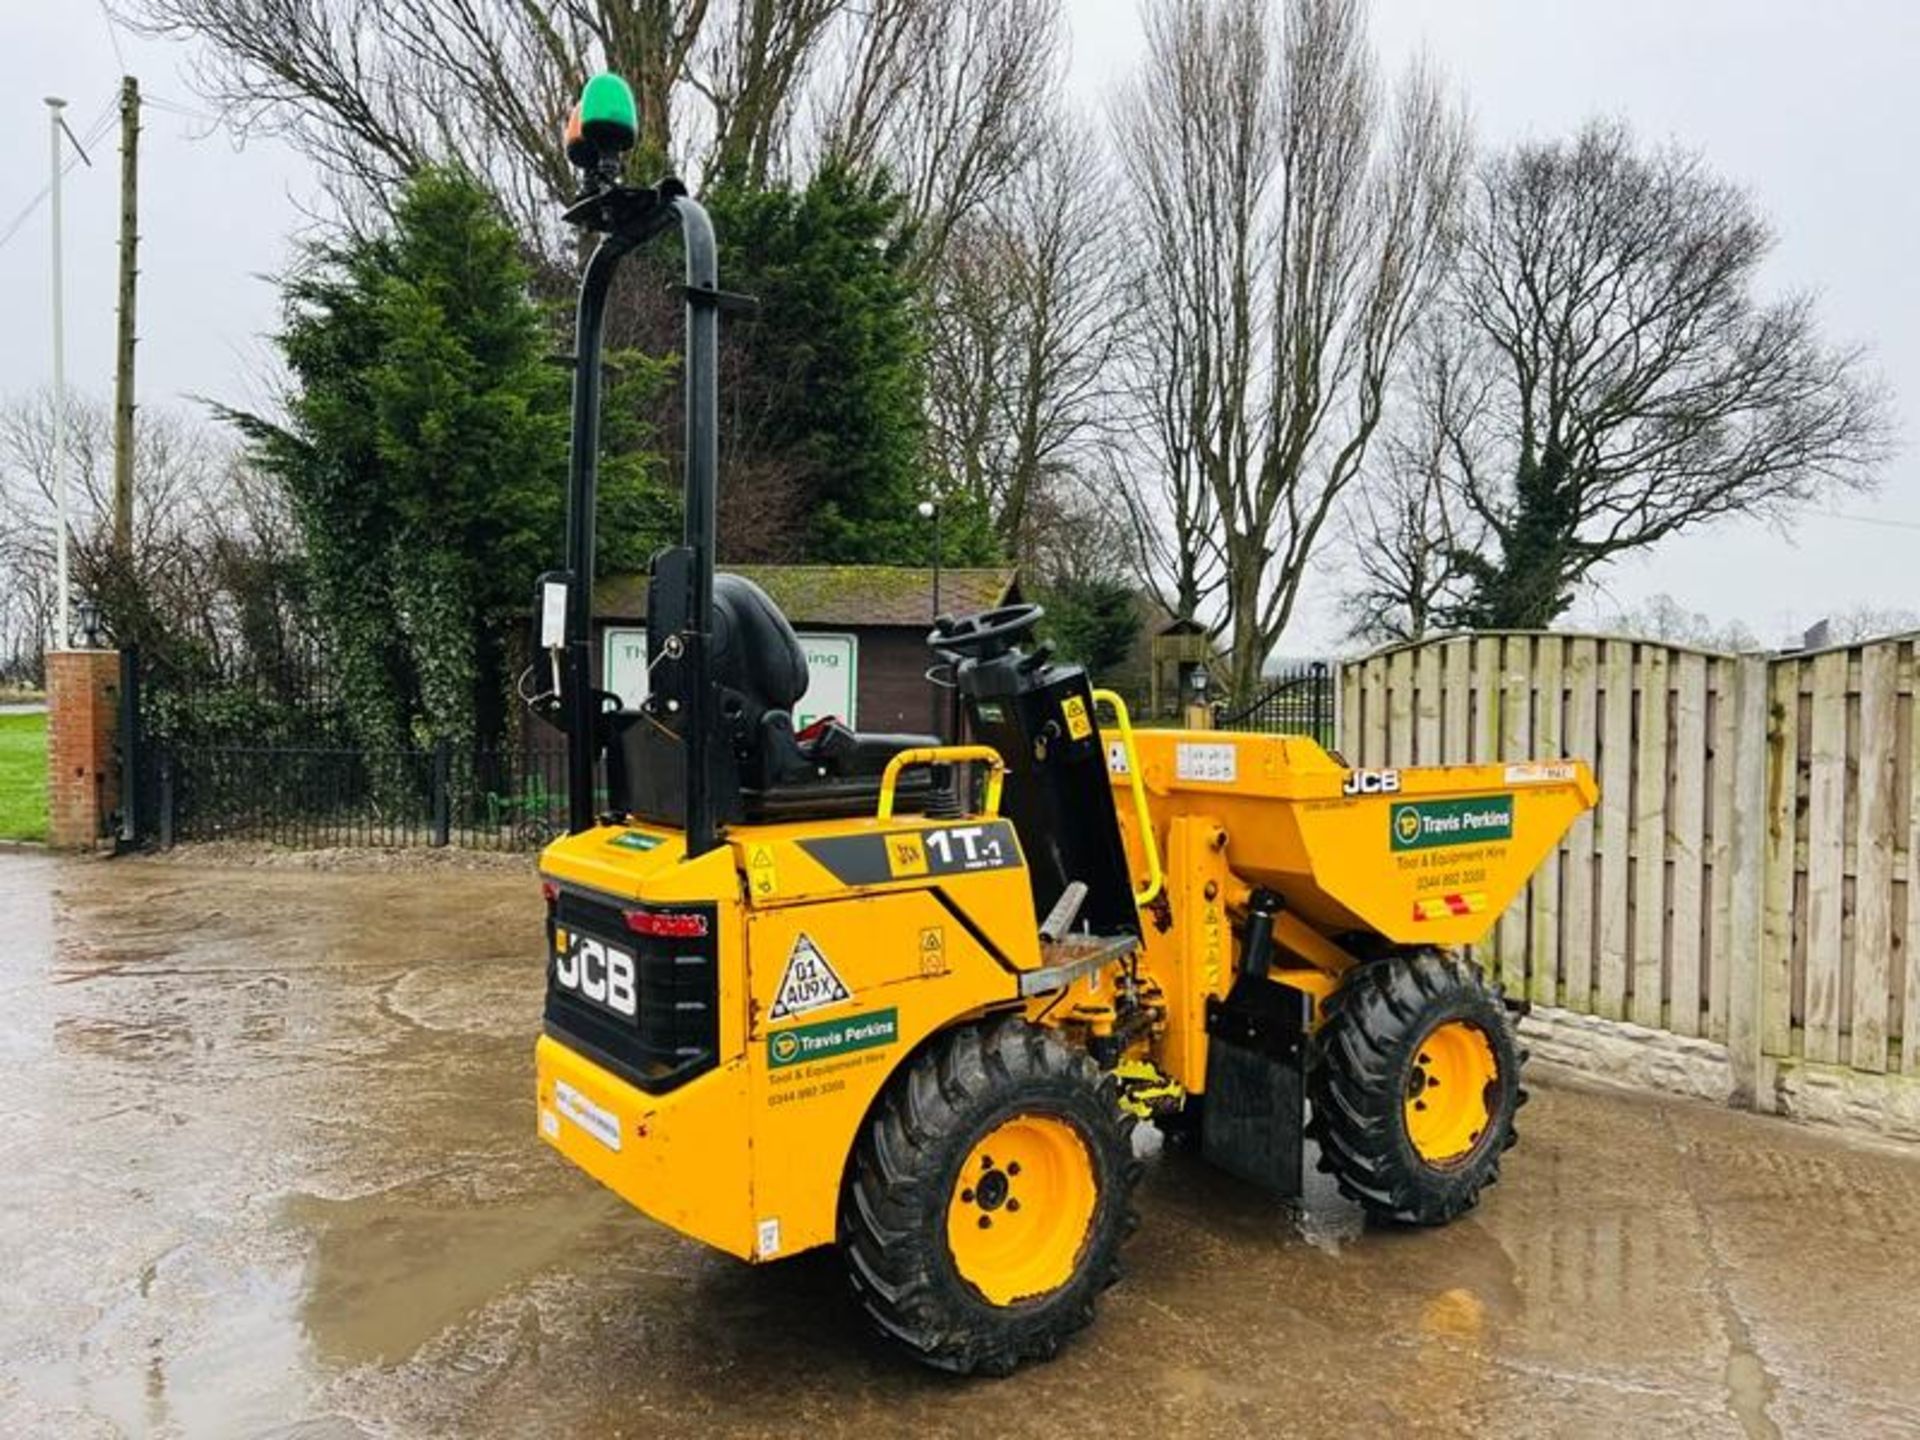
column 988, row 1198
column 1415, row 1083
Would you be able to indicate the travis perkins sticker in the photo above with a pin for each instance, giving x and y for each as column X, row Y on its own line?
column 1425, row 824
column 832, row 1037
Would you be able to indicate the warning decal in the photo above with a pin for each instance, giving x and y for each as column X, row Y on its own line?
column 1079, row 727
column 762, row 876
column 808, row 984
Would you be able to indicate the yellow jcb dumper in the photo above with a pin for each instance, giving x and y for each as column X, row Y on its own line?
column 910, row 999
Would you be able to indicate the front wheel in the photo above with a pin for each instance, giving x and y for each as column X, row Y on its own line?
column 988, row 1198
column 1415, row 1079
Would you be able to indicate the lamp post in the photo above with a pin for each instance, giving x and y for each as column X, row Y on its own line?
column 88, row 611
column 1199, row 717
column 62, row 626
column 930, row 510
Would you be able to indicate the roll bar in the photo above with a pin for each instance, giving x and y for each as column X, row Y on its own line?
column 626, row 217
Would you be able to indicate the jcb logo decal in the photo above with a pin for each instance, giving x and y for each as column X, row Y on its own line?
column 1371, row 782
column 906, row 856
column 600, row 972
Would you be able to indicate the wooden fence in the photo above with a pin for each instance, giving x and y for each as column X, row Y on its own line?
column 1752, row 872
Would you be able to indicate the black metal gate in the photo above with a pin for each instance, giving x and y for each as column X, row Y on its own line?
column 1299, row 701
column 275, row 758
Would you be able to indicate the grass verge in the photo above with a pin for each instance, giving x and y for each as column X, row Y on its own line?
column 23, row 777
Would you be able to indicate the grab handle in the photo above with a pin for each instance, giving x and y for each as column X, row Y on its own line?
column 942, row 755
column 1155, row 877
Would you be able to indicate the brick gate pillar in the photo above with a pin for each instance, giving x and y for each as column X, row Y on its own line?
column 83, row 710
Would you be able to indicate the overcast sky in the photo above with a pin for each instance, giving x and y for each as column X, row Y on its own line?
column 1815, row 108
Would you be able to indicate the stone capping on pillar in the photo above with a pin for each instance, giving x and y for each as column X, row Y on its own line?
column 83, row 711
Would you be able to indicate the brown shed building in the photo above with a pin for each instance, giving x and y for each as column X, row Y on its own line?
column 864, row 628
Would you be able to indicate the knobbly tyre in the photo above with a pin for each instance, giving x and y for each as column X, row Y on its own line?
column 822, row 988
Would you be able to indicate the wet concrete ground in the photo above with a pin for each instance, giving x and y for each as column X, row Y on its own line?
column 267, row 1166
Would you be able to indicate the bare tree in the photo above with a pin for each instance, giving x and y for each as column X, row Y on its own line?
column 1869, row 622
column 1409, row 533
column 755, row 63
column 940, row 90
column 952, row 97
column 212, row 548
column 1020, row 335
column 1629, row 383
column 370, row 91
column 1661, row 617
column 1293, row 221
column 1406, row 552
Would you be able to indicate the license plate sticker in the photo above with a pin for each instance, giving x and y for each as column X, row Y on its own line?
column 598, row 1121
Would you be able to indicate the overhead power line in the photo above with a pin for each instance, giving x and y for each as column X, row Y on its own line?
column 176, row 107
column 113, row 34
column 1883, row 521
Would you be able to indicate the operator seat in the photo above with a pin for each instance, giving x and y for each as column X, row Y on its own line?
column 760, row 674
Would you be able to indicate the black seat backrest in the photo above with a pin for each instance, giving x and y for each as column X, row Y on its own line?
column 755, row 652
column 760, row 770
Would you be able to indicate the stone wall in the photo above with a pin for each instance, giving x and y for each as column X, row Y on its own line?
column 1568, row 1043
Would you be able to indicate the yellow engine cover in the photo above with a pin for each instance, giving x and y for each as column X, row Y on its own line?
column 842, row 947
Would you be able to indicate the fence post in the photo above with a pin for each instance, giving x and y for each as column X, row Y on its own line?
column 1748, row 852
column 132, row 749
column 166, row 799
column 442, row 799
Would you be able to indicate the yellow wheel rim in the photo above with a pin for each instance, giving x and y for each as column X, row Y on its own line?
column 1447, row 1108
column 1022, row 1208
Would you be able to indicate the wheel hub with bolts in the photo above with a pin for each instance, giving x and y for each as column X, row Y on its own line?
column 993, row 1189
column 1446, row 1106
column 1022, row 1207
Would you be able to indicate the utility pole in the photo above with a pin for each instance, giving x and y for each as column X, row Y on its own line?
column 123, row 360
column 62, row 632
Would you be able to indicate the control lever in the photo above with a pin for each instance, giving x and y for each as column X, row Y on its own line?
column 1036, row 657
column 1065, row 911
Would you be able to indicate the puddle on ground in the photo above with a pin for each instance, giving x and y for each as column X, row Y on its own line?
column 153, row 1039
column 389, row 1272
column 273, row 1164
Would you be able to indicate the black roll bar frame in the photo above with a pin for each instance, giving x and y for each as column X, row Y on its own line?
column 626, row 217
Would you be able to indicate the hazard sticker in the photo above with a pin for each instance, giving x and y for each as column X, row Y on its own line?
column 808, row 984
column 933, row 950
column 762, row 878
column 1079, row 727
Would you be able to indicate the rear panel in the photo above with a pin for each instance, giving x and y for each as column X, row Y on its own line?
column 643, row 1004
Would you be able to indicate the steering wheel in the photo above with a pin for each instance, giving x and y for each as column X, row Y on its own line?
column 984, row 636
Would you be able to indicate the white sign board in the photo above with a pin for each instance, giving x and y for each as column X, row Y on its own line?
column 623, row 667
column 833, row 669
column 833, row 663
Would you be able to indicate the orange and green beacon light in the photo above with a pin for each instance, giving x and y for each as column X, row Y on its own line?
column 604, row 123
